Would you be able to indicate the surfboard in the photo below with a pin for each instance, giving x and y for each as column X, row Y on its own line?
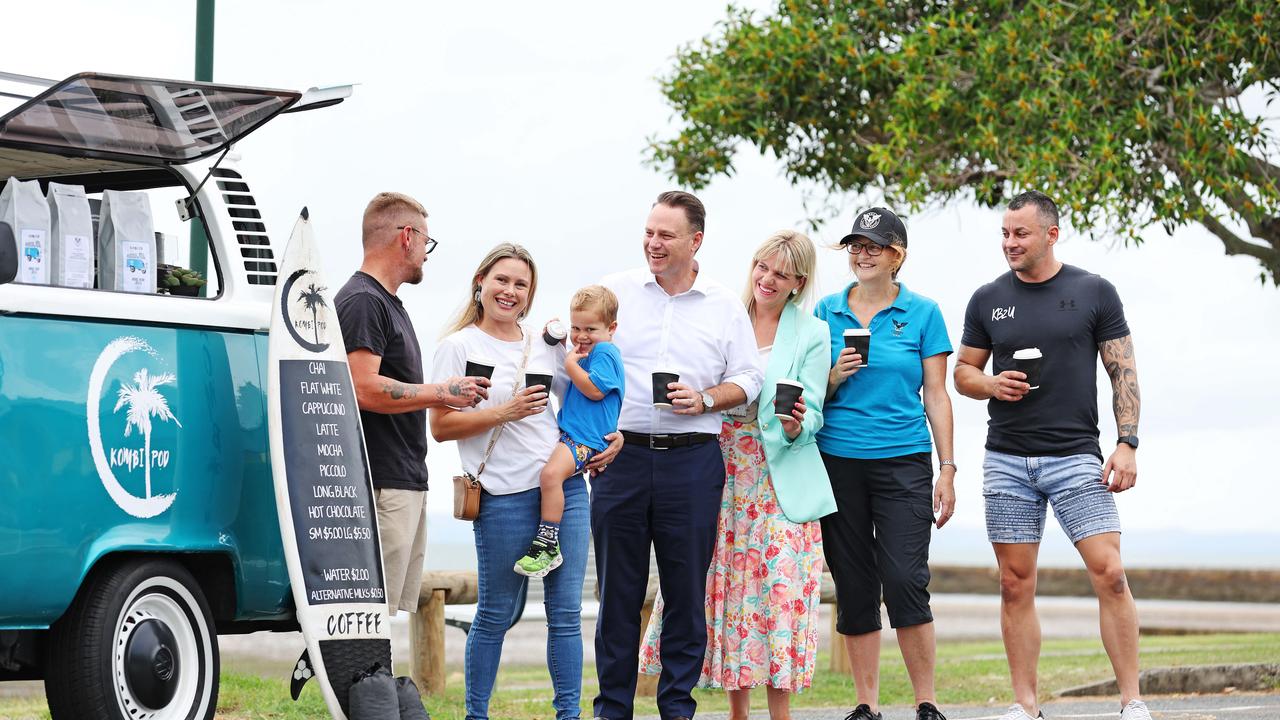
column 324, row 493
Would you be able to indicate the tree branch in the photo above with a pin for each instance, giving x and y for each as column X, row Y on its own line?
column 1234, row 244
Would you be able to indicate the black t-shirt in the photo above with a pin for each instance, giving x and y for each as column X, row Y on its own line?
column 1066, row 317
column 375, row 320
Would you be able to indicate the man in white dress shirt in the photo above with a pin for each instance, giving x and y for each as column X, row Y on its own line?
column 664, row 486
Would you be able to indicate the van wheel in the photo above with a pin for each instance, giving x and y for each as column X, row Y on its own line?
column 137, row 644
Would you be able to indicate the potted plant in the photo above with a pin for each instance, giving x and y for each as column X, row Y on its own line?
column 181, row 281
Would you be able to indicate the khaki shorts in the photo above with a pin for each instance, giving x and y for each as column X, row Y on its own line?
column 402, row 528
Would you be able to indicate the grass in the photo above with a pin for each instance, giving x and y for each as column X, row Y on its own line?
column 968, row 673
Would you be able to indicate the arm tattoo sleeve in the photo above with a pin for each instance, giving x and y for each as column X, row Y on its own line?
column 399, row 391
column 1121, row 366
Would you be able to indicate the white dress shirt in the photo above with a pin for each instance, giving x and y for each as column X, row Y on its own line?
column 703, row 334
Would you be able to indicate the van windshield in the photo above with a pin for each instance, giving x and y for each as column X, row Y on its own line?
column 140, row 119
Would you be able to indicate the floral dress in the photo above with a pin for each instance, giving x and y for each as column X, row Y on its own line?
column 763, row 586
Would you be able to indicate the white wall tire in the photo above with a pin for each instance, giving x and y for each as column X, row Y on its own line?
column 138, row 643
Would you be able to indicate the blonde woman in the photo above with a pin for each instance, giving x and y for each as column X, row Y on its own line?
column 764, row 582
column 489, row 325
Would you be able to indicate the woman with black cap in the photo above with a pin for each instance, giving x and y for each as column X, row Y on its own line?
column 876, row 445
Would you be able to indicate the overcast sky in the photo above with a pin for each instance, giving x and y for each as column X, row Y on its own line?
column 526, row 122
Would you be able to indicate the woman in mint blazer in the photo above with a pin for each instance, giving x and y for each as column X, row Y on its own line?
column 764, row 583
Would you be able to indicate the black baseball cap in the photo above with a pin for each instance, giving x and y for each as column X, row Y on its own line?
column 880, row 226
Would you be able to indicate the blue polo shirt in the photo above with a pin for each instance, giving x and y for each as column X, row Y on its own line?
column 878, row 412
column 587, row 421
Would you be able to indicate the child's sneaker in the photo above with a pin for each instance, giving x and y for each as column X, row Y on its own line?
column 539, row 560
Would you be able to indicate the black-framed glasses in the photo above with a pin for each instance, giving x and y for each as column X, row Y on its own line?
column 870, row 248
column 431, row 242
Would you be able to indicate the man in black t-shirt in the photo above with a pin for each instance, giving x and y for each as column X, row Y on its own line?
column 1042, row 441
column 386, row 368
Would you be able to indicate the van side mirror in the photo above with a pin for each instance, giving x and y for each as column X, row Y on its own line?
column 8, row 254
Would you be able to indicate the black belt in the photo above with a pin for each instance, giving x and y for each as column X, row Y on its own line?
column 666, row 442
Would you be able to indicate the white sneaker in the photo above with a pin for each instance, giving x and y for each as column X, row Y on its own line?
column 1135, row 710
column 1016, row 712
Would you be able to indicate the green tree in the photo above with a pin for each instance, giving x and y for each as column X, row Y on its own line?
column 1128, row 112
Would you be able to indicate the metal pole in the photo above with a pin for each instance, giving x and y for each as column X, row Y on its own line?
column 199, row 248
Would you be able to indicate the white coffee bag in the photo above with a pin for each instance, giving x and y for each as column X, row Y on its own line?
column 22, row 205
column 71, row 236
column 126, row 243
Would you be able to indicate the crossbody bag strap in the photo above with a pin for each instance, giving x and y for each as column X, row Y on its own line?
column 493, row 439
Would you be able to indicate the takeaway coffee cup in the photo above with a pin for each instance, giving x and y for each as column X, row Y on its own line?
column 479, row 366
column 789, row 392
column 554, row 333
column 1027, row 361
column 662, row 378
column 860, row 339
column 538, row 376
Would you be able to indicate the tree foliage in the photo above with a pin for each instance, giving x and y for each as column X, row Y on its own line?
column 1128, row 112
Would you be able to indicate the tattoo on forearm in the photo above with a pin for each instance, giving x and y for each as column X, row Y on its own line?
column 400, row 391
column 1126, row 400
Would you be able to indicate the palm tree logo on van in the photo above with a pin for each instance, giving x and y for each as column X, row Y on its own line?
column 145, row 402
column 313, row 300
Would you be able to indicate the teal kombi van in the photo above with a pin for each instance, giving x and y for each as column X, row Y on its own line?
column 137, row 513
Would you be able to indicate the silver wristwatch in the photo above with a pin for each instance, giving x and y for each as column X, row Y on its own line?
column 708, row 402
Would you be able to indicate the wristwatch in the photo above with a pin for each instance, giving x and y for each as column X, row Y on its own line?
column 1130, row 440
column 708, row 402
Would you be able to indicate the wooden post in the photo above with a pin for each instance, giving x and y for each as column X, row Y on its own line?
column 426, row 628
column 426, row 638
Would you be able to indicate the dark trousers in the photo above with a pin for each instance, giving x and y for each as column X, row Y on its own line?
column 879, row 538
column 670, row 498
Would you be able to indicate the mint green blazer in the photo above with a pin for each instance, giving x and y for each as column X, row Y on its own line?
column 801, row 352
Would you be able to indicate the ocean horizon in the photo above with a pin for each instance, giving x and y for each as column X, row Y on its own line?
column 450, row 546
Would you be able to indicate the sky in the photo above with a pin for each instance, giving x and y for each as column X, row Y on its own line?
column 527, row 123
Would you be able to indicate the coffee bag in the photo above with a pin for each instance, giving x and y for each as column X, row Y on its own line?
column 71, row 236
column 126, row 243
column 22, row 205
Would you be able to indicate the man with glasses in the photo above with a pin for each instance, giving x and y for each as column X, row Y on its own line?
column 386, row 368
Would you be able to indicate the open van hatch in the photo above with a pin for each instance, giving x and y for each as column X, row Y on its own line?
column 92, row 122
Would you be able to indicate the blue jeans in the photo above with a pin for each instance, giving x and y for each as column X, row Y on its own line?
column 1017, row 488
column 503, row 529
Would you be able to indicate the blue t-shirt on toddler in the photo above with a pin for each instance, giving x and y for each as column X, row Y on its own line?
column 587, row 421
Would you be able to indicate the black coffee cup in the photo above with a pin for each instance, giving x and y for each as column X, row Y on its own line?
column 538, row 376
column 789, row 392
column 553, row 333
column 860, row 340
column 662, row 378
column 1027, row 361
column 479, row 367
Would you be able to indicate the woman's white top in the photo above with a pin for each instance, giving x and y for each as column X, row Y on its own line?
column 525, row 445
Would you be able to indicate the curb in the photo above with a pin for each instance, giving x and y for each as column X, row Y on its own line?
column 1190, row 679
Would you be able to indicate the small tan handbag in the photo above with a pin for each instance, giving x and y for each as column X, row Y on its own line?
column 466, row 487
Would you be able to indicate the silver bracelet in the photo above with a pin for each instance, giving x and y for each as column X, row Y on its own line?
column 952, row 463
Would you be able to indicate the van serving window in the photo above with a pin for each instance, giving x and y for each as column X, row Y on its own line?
column 139, row 119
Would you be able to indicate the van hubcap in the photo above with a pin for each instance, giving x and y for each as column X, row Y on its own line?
column 152, row 668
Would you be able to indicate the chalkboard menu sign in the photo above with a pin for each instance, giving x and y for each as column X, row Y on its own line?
column 333, row 512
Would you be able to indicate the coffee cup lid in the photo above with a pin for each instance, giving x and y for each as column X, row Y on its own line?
column 481, row 360
column 857, row 331
column 555, row 328
column 667, row 371
column 537, row 371
column 786, row 381
column 1027, row 354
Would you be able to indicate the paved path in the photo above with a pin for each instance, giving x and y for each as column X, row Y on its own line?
column 1247, row 706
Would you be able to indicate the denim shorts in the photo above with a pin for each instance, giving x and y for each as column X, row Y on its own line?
column 1017, row 488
